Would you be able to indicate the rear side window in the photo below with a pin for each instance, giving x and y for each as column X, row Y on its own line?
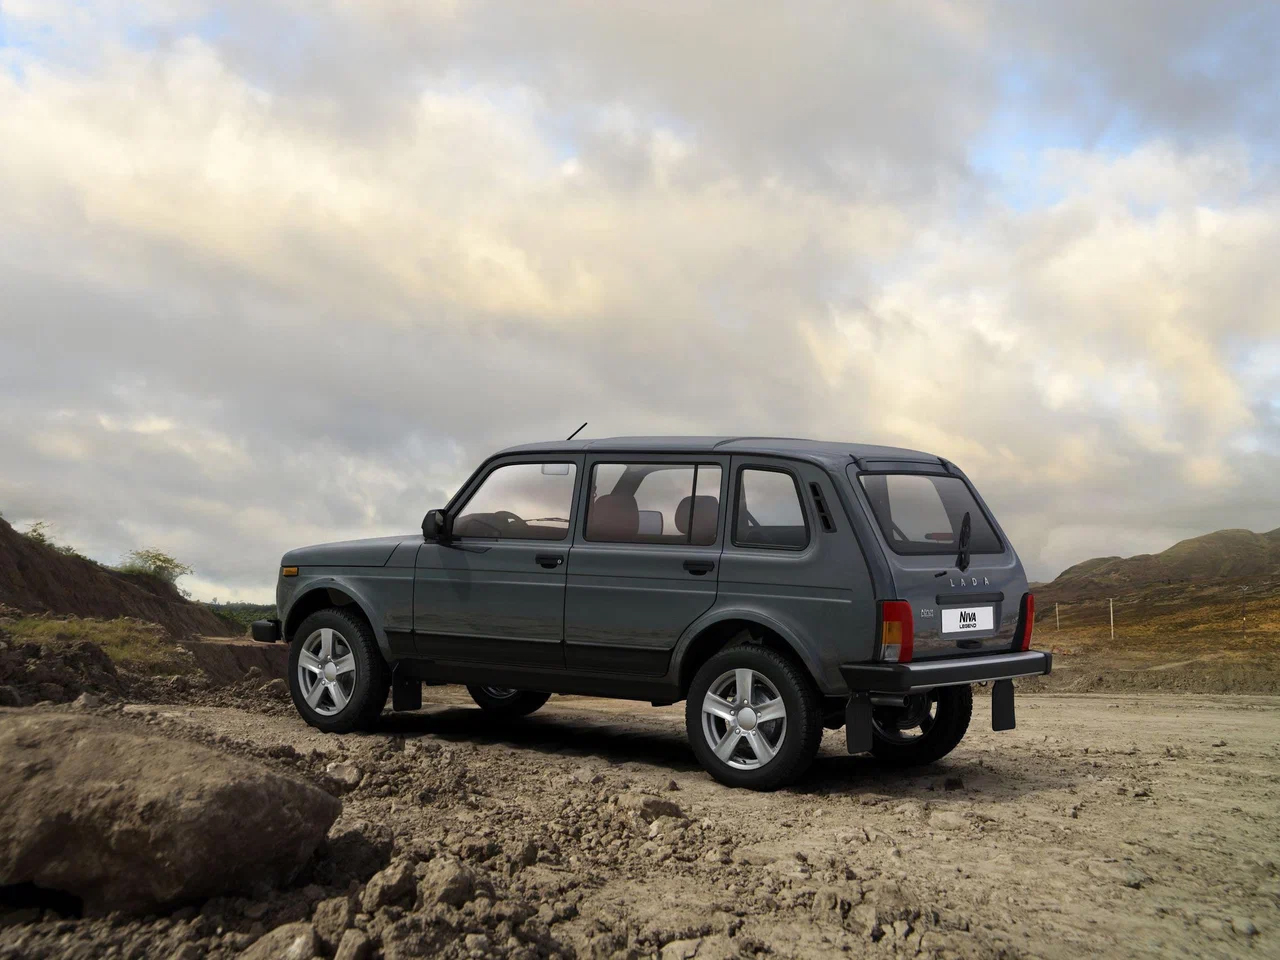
column 921, row 514
column 676, row 503
column 769, row 513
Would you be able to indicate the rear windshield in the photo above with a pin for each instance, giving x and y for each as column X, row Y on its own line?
column 922, row 514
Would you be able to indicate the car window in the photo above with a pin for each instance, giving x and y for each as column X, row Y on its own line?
column 675, row 503
column 769, row 512
column 922, row 514
column 520, row 501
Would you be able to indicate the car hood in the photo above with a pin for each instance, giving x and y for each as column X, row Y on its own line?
column 374, row 552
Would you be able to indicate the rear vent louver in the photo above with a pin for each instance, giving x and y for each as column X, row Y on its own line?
column 821, row 505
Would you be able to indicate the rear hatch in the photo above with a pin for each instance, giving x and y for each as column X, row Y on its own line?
column 961, row 605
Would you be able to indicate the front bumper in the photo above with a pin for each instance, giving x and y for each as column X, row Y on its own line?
column 265, row 631
column 927, row 674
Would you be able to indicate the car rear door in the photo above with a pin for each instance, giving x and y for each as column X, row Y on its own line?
column 645, row 559
column 960, row 606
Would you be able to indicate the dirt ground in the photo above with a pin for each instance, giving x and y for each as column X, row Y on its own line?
column 1106, row 825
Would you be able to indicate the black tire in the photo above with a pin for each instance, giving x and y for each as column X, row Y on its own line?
column 372, row 676
column 951, row 709
column 512, row 703
column 801, row 730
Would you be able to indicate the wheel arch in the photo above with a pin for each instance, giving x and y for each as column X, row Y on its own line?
column 326, row 593
column 708, row 636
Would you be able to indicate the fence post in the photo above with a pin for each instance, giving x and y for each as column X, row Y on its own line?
column 1111, row 606
column 1057, row 620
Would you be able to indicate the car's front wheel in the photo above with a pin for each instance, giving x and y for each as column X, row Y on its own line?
column 925, row 729
column 337, row 676
column 506, row 701
column 753, row 717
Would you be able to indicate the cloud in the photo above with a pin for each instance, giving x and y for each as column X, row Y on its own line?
column 256, row 293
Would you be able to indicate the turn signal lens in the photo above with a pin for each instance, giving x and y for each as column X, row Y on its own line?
column 897, row 631
column 288, row 571
column 1028, row 620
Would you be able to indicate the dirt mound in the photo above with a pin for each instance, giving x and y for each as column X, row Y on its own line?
column 36, row 578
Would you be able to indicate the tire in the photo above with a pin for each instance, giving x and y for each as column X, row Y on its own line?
column 506, row 702
column 950, row 709
column 365, row 694
column 794, row 740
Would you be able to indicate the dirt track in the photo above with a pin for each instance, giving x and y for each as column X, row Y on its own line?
column 1115, row 825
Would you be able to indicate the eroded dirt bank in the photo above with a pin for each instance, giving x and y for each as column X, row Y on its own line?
column 1113, row 825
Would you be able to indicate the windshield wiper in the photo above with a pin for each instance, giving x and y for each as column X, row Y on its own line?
column 962, row 558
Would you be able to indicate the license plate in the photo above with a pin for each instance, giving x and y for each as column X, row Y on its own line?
column 968, row 619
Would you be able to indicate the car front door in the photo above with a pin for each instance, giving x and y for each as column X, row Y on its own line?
column 645, row 559
column 495, row 592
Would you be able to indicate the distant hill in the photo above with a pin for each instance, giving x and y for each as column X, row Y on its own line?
column 1227, row 558
column 36, row 578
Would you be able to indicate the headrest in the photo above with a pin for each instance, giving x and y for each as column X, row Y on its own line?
column 614, row 516
column 704, row 510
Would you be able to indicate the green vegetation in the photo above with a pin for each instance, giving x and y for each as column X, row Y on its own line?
column 40, row 532
column 242, row 613
column 153, row 563
column 135, row 645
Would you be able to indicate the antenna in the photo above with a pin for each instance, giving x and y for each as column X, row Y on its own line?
column 576, row 432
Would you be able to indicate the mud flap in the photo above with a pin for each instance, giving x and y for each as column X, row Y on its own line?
column 406, row 692
column 1002, row 705
column 857, row 723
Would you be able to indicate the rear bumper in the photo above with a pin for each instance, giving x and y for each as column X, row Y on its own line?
column 265, row 631
column 927, row 674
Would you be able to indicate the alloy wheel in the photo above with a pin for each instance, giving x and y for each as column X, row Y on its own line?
column 744, row 719
column 326, row 671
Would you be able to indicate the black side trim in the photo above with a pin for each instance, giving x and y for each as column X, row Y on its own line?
column 265, row 631
column 905, row 677
column 945, row 598
column 541, row 680
column 617, row 659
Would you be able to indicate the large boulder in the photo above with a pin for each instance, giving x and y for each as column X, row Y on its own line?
column 125, row 820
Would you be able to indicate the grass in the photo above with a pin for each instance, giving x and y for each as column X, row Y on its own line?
column 135, row 645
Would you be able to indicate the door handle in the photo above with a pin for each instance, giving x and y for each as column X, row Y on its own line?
column 699, row 567
column 549, row 560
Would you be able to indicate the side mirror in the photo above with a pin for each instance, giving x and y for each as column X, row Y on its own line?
column 435, row 526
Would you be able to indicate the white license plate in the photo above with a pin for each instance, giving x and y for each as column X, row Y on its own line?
column 967, row 619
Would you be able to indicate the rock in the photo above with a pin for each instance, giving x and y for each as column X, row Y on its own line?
column 345, row 774
column 864, row 918
column 667, row 827
column 87, row 701
column 389, row 886
column 187, row 951
column 293, row 941
column 477, row 942
column 10, row 697
column 275, row 688
column 133, row 822
column 587, row 775
column 353, row 946
column 948, row 820
column 1244, row 926
column 681, row 949
column 357, row 850
column 648, row 807
column 446, row 880
column 332, row 918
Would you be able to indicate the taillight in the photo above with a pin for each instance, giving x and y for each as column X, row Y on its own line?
column 1028, row 620
column 897, row 632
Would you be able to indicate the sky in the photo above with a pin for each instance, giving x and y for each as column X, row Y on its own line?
column 276, row 272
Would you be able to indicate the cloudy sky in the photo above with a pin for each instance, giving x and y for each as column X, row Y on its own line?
column 281, row 271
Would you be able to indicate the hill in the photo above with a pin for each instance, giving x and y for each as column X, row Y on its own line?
column 1225, row 558
column 36, row 578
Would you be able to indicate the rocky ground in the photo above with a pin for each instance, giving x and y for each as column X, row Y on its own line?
column 1116, row 825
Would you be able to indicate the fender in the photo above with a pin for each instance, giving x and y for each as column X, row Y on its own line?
column 788, row 633
column 355, row 593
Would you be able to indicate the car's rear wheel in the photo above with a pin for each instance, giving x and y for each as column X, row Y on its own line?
column 337, row 676
column 927, row 728
column 507, row 701
column 753, row 717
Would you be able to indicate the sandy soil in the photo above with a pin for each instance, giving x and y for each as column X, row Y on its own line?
column 1113, row 826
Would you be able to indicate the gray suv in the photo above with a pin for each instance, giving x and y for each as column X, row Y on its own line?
column 778, row 587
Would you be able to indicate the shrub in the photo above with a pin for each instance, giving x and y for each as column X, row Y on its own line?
column 154, row 563
column 40, row 533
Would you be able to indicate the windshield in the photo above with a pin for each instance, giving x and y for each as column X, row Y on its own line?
column 921, row 514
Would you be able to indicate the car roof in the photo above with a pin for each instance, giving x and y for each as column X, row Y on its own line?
column 822, row 451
